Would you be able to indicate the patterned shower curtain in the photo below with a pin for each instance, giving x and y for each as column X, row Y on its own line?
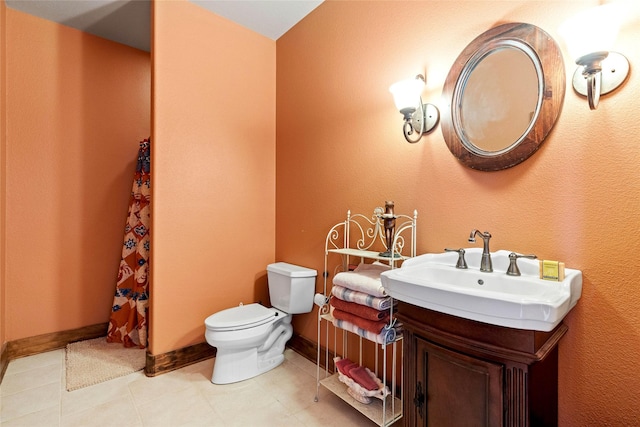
column 128, row 323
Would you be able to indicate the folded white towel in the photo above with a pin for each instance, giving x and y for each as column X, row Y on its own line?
column 365, row 278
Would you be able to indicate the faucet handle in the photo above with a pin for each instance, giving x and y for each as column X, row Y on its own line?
column 513, row 269
column 462, row 263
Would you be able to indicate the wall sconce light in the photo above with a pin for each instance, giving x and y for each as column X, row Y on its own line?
column 419, row 118
column 589, row 36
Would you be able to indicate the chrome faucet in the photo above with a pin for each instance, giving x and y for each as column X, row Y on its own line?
column 485, row 262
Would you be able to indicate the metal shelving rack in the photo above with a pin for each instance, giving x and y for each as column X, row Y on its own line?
column 366, row 233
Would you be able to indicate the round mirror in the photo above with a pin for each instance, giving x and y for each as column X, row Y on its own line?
column 503, row 95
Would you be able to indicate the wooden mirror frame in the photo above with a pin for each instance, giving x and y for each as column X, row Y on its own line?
column 553, row 74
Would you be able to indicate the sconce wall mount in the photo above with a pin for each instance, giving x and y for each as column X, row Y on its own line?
column 423, row 120
column 599, row 73
column 419, row 118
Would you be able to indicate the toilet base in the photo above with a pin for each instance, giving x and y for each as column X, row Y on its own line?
column 239, row 366
column 234, row 365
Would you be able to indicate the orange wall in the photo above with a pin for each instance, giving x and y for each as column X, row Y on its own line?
column 77, row 106
column 2, row 169
column 213, row 169
column 340, row 146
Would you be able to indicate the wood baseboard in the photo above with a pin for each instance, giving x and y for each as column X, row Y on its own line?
column 155, row 364
column 158, row 364
column 304, row 347
column 176, row 359
column 309, row 349
column 4, row 360
column 47, row 342
column 55, row 340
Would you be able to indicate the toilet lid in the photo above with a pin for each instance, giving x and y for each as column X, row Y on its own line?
column 241, row 317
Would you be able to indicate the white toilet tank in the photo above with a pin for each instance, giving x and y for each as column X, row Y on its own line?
column 291, row 287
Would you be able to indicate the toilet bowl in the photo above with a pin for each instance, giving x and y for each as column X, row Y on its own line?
column 250, row 339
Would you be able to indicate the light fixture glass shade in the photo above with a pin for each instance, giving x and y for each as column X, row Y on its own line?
column 590, row 36
column 406, row 93
column 593, row 30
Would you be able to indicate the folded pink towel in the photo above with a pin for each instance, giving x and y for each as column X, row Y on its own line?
column 356, row 390
column 388, row 335
column 368, row 325
column 345, row 366
column 360, row 310
column 362, row 377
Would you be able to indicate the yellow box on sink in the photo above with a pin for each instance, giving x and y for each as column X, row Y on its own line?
column 552, row 270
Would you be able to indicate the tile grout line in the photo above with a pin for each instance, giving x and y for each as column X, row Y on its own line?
column 135, row 405
column 298, row 369
column 63, row 383
column 34, row 387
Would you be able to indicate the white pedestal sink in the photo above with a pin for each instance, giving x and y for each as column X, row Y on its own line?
column 524, row 302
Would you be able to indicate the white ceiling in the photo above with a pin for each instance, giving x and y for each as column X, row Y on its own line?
column 128, row 21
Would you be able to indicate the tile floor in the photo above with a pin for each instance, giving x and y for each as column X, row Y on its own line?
column 33, row 394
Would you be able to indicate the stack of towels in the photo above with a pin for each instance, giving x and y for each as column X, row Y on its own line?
column 362, row 384
column 359, row 304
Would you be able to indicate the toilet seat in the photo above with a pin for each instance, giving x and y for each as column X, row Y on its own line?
column 241, row 317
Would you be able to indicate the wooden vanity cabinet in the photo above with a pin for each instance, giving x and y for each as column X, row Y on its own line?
column 460, row 372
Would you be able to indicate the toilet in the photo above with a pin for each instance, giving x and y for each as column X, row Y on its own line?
column 250, row 339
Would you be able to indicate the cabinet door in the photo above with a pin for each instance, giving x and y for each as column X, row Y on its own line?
column 458, row 390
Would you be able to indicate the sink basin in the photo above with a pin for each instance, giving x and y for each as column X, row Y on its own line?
column 523, row 302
